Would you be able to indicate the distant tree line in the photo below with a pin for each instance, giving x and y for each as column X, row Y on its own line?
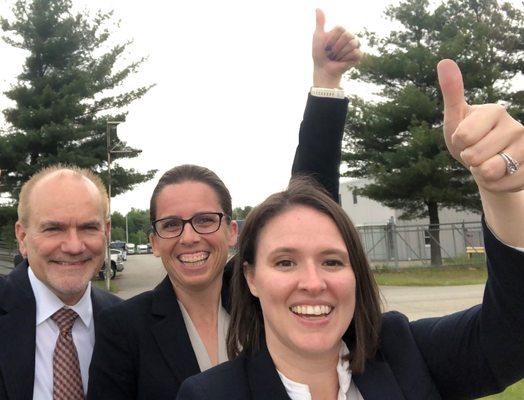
column 138, row 226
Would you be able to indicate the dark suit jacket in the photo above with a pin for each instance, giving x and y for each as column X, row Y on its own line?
column 18, row 332
column 465, row 355
column 144, row 351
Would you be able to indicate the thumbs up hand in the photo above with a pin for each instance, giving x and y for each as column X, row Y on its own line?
column 334, row 52
column 477, row 135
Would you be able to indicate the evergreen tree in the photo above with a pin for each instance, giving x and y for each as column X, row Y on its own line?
column 69, row 87
column 397, row 142
column 241, row 212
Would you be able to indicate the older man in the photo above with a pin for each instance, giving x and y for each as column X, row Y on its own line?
column 48, row 308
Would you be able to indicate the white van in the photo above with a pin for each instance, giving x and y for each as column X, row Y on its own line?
column 141, row 249
column 130, row 248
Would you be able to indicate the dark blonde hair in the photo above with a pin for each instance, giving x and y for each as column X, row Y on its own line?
column 246, row 330
column 25, row 192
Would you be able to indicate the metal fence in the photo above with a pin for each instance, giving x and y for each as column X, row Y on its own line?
column 395, row 245
column 7, row 254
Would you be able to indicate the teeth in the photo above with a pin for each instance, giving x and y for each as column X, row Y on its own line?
column 193, row 258
column 311, row 310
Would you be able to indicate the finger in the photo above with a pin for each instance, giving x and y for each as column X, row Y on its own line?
column 506, row 183
column 320, row 20
column 345, row 38
column 480, row 122
column 452, row 87
column 350, row 47
column 503, row 132
column 332, row 38
column 490, row 170
column 490, row 145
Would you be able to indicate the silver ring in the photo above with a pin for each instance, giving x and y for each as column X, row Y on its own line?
column 512, row 165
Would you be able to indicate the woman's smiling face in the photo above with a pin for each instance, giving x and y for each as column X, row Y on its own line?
column 193, row 261
column 304, row 281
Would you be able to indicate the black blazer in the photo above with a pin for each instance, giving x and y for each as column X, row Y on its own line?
column 144, row 351
column 465, row 355
column 18, row 332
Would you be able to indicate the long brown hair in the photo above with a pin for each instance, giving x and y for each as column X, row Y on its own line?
column 246, row 330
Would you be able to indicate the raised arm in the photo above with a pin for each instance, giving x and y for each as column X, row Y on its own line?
column 480, row 137
column 481, row 350
column 322, row 128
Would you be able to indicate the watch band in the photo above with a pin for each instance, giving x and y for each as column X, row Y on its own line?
column 335, row 93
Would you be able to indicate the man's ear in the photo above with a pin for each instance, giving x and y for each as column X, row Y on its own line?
column 249, row 274
column 107, row 227
column 20, row 234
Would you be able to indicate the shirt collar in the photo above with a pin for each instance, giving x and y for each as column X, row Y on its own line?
column 300, row 391
column 47, row 303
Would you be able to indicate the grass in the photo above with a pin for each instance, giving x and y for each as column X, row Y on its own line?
column 113, row 288
column 446, row 276
column 431, row 276
column 514, row 392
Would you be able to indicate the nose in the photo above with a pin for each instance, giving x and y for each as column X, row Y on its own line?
column 189, row 235
column 311, row 279
column 73, row 243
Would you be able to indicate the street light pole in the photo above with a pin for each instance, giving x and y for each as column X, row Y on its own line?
column 112, row 150
column 127, row 232
column 108, row 270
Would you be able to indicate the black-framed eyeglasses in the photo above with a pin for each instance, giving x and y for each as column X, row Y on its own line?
column 202, row 223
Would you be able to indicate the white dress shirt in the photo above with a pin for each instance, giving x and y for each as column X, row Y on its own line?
column 347, row 390
column 47, row 303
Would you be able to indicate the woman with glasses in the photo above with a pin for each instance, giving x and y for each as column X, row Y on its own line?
column 306, row 321
column 148, row 346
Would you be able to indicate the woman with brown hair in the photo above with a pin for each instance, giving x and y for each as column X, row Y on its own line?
column 306, row 321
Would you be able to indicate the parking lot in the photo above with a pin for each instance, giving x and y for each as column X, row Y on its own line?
column 144, row 271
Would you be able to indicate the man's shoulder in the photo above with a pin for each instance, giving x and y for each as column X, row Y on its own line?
column 131, row 309
column 104, row 299
column 15, row 288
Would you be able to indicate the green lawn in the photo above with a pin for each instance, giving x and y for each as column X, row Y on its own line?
column 514, row 392
column 431, row 276
column 99, row 283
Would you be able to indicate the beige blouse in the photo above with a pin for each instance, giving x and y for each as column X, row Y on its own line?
column 203, row 359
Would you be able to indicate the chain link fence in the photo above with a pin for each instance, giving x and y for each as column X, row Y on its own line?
column 393, row 245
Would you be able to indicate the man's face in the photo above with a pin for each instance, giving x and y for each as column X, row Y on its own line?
column 64, row 237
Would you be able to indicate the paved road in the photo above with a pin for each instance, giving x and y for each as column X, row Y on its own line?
column 419, row 302
column 143, row 272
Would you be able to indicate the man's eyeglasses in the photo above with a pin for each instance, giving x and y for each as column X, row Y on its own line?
column 172, row 227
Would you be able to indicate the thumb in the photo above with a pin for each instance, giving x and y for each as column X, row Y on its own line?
column 321, row 20
column 452, row 87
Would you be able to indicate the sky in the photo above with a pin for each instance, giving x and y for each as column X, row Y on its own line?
column 231, row 78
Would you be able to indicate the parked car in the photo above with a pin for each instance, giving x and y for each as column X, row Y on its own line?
column 119, row 245
column 141, row 249
column 130, row 248
column 117, row 264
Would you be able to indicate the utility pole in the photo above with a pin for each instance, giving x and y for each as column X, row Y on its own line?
column 127, row 232
column 110, row 151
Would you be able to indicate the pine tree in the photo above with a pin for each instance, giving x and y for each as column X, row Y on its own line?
column 397, row 142
column 70, row 85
